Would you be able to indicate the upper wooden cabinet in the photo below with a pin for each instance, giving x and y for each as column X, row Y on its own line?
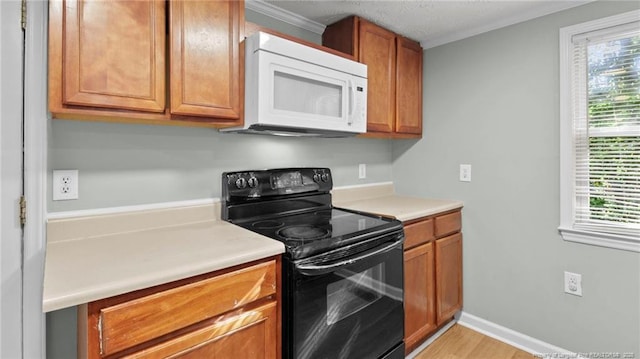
column 111, row 54
column 394, row 63
column 205, row 58
column 377, row 49
column 111, row 60
column 408, row 87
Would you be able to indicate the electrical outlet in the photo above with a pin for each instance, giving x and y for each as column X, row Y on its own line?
column 465, row 173
column 65, row 185
column 362, row 171
column 573, row 283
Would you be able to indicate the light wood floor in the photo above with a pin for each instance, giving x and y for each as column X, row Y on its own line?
column 463, row 343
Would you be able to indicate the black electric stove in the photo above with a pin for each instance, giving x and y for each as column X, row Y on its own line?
column 342, row 280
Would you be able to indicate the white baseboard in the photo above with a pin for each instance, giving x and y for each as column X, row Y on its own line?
column 521, row 341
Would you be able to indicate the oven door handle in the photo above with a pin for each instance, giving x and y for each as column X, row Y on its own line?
column 319, row 269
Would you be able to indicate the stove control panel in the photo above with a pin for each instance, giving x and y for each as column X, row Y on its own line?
column 275, row 182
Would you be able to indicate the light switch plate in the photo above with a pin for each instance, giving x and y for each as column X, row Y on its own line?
column 362, row 171
column 465, row 173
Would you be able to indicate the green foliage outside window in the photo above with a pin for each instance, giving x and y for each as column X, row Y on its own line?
column 614, row 104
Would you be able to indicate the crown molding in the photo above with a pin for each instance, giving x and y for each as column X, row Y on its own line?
column 294, row 19
column 542, row 10
column 289, row 17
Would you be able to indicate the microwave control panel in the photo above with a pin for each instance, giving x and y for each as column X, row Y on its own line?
column 358, row 114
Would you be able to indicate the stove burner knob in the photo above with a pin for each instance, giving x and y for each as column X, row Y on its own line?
column 241, row 183
column 317, row 177
column 253, row 182
column 325, row 177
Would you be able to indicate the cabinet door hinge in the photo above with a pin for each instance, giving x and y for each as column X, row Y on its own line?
column 23, row 211
column 23, row 20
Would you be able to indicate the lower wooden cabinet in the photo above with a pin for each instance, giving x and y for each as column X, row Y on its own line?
column 432, row 275
column 217, row 315
column 448, row 262
column 419, row 283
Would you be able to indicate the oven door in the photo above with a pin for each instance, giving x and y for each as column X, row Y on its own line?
column 347, row 308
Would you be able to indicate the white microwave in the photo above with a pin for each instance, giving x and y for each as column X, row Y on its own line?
column 294, row 89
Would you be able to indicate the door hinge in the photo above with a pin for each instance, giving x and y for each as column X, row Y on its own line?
column 23, row 211
column 23, row 20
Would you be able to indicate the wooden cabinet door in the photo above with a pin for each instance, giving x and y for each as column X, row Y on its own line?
column 205, row 57
column 448, row 276
column 408, row 87
column 250, row 334
column 377, row 49
column 108, row 54
column 419, row 295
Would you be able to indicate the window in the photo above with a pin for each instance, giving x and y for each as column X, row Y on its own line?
column 600, row 132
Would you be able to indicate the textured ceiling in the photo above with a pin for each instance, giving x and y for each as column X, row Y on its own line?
column 432, row 22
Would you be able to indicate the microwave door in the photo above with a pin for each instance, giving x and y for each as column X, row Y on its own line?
column 295, row 93
column 299, row 93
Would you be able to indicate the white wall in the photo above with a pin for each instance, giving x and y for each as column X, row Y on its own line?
column 492, row 101
column 136, row 164
column 10, row 180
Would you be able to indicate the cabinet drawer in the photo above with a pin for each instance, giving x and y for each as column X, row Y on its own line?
column 131, row 323
column 418, row 233
column 448, row 223
column 252, row 333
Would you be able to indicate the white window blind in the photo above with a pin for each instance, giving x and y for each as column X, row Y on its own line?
column 605, row 106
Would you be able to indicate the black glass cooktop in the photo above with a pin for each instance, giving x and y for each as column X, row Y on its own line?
column 293, row 205
column 305, row 234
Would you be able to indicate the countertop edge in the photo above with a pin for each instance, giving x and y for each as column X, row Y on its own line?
column 426, row 213
column 102, row 291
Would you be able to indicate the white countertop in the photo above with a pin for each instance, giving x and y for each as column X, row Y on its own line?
column 80, row 270
column 400, row 207
column 96, row 257
column 381, row 199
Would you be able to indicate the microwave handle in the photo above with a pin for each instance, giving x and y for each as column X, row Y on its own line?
column 314, row 269
column 352, row 107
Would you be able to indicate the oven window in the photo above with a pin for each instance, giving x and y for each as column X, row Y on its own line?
column 354, row 292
